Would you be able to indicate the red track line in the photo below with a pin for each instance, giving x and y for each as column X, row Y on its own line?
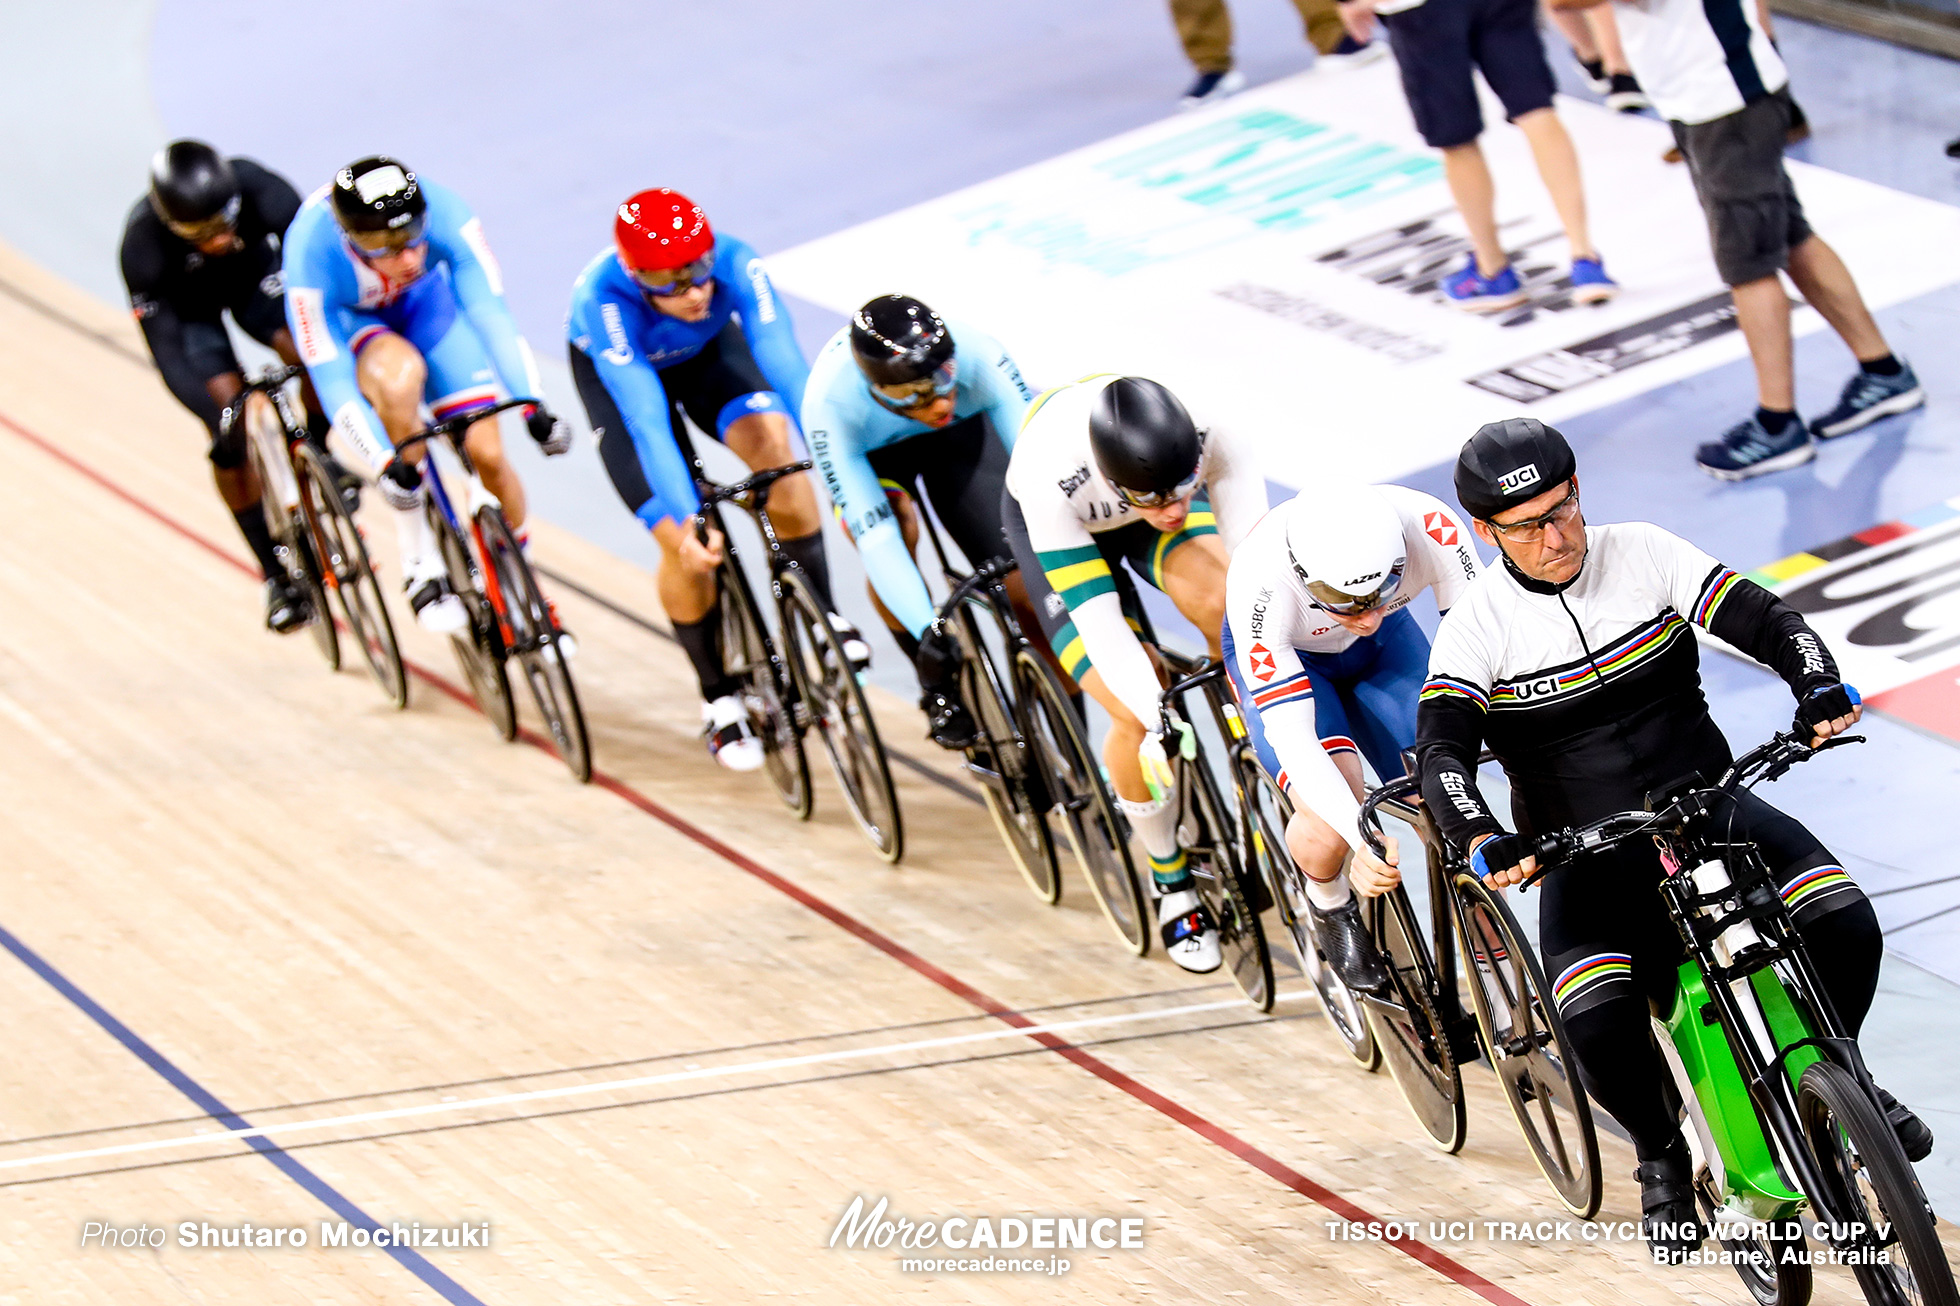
column 1265, row 1163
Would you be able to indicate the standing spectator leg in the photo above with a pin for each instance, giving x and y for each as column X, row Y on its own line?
column 1204, row 27
column 1475, row 194
column 1558, row 166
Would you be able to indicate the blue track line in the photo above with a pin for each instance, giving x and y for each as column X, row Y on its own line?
column 413, row 1261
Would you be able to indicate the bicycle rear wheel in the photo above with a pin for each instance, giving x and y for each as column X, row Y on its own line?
column 1075, row 784
column 1411, row 1036
column 1266, row 811
column 1012, row 778
column 289, row 536
column 1869, row 1181
column 750, row 658
column 531, row 636
column 479, row 649
column 1207, row 838
column 348, row 575
column 830, row 689
column 1525, row 1038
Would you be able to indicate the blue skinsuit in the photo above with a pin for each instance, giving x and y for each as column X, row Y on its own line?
column 453, row 313
column 844, row 423
column 629, row 341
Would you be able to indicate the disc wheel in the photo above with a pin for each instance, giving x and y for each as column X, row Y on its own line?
column 1013, row 778
column 1266, row 812
column 289, row 536
column 1411, row 1036
column 835, row 701
column 1526, row 1039
column 531, row 637
column 1869, row 1181
column 1081, row 799
column 479, row 648
column 348, row 576
column 1207, row 838
column 750, row 659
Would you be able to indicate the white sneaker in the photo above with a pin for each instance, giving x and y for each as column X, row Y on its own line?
column 432, row 599
column 1190, row 935
column 856, row 651
column 731, row 736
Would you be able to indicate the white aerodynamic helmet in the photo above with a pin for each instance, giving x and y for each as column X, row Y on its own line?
column 1347, row 549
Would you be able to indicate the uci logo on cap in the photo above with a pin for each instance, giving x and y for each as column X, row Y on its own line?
column 1517, row 480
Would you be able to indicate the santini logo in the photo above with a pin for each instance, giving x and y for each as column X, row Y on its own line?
column 1517, row 480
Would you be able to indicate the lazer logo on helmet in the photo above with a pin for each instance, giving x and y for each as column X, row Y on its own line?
column 380, row 183
column 1350, row 584
column 1516, row 480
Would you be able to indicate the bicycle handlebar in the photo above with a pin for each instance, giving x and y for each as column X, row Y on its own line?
column 752, row 492
column 272, row 380
column 1767, row 761
column 982, row 576
column 452, row 427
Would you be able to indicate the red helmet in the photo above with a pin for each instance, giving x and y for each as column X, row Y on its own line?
column 660, row 231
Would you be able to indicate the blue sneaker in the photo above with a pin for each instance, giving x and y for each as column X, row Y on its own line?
column 1748, row 450
column 1867, row 398
column 1590, row 284
column 1470, row 289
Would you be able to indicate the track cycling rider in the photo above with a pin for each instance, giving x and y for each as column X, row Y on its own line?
column 901, row 402
column 1108, row 470
column 1574, row 661
column 394, row 298
column 674, row 322
column 1323, row 651
column 206, row 239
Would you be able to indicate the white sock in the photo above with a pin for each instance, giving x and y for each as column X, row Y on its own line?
column 418, row 540
column 1155, row 822
column 1328, row 895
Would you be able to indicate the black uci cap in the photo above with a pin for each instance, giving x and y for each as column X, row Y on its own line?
column 1509, row 462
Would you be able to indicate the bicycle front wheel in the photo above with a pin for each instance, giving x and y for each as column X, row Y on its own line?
column 1266, row 811
column 1075, row 787
column 347, row 573
column 1012, row 779
column 1868, row 1181
column 749, row 657
column 531, row 635
column 1527, row 1045
column 480, row 648
column 274, row 469
column 1413, row 1040
column 829, row 687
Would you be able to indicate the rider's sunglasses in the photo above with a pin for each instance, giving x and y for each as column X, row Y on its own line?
column 1329, row 599
column 908, row 396
column 1532, row 529
column 662, row 282
column 1184, row 489
column 218, row 224
column 385, row 244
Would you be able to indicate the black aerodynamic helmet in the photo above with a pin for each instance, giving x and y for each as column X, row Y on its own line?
column 1506, row 463
column 897, row 340
column 1144, row 442
column 379, row 196
column 194, row 190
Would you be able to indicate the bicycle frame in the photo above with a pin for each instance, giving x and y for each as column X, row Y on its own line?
column 479, row 496
column 1440, row 861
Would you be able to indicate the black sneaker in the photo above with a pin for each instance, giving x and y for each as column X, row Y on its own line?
column 1624, row 95
column 1596, row 78
column 1343, row 943
column 948, row 722
column 286, row 606
column 1915, row 1137
column 1212, row 87
column 1668, row 1219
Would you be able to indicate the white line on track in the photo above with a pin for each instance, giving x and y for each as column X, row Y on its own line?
column 612, row 1085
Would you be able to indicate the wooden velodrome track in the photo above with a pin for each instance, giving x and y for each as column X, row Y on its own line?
column 240, row 890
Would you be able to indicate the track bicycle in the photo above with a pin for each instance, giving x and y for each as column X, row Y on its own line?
column 509, row 617
column 1215, row 837
column 805, row 682
column 1779, row 1109
column 1425, row 1035
column 314, row 534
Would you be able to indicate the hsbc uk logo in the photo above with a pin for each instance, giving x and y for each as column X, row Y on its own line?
column 1264, row 668
column 1438, row 527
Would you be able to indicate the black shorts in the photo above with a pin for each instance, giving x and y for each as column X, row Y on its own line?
column 1736, row 164
column 1140, row 544
column 713, row 388
column 1605, row 933
column 1439, row 42
column 962, row 469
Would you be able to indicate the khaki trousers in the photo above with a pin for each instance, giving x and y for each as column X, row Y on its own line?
column 1205, row 28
